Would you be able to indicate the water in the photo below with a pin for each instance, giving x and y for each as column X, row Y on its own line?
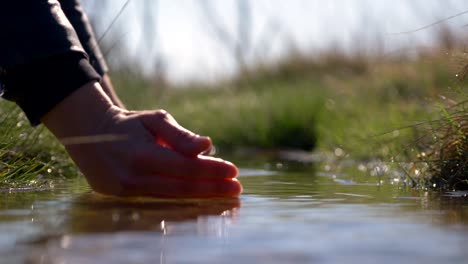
column 290, row 215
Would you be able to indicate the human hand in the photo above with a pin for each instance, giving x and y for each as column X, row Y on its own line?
column 139, row 153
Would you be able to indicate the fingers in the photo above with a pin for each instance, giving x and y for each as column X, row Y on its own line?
column 153, row 185
column 168, row 163
column 171, row 174
column 166, row 129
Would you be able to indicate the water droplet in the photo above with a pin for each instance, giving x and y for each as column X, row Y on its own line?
column 226, row 213
column 362, row 167
column 339, row 152
column 115, row 217
column 65, row 242
column 163, row 227
column 135, row 216
column 379, row 170
column 330, row 104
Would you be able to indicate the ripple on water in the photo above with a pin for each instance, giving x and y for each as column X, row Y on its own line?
column 355, row 195
column 459, row 194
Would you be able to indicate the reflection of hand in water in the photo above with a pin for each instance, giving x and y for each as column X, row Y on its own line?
column 155, row 220
column 93, row 213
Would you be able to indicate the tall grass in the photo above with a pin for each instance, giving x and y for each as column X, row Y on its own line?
column 445, row 147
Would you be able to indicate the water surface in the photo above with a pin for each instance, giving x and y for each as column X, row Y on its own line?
column 286, row 215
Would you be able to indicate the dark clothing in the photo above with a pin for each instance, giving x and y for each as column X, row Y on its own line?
column 47, row 51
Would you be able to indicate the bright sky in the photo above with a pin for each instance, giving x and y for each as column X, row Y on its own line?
column 181, row 33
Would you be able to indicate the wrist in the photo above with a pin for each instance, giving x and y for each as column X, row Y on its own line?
column 82, row 113
column 108, row 88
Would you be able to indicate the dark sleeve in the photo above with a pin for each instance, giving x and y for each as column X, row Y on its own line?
column 41, row 58
column 84, row 30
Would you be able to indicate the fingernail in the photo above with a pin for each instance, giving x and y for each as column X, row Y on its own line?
column 235, row 187
column 205, row 138
column 234, row 171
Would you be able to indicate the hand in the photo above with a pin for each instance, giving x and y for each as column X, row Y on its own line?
column 142, row 153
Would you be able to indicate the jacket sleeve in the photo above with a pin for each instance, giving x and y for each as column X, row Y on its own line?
column 84, row 30
column 42, row 60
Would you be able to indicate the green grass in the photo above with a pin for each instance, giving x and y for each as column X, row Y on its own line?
column 28, row 157
column 447, row 147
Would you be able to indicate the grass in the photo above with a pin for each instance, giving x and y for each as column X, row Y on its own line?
column 446, row 147
column 29, row 158
column 368, row 107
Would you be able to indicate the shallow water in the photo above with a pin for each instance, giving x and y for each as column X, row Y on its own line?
column 295, row 215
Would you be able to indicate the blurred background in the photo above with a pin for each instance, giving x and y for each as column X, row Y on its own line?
column 357, row 79
column 208, row 40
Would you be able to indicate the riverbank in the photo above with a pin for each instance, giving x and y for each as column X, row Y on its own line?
column 386, row 108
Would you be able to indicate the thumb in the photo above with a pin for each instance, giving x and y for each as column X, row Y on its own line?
column 168, row 132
